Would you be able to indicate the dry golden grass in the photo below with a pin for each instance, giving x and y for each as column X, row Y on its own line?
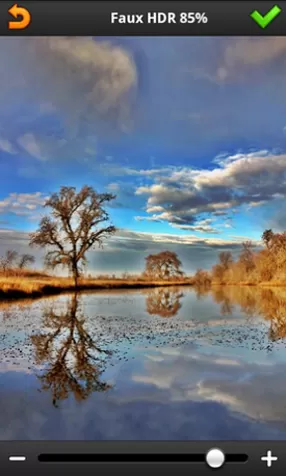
column 33, row 284
column 274, row 283
column 24, row 273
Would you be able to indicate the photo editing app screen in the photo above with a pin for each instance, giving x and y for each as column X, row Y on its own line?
column 142, row 221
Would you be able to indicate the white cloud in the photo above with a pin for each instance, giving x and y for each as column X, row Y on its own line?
column 243, row 53
column 31, row 145
column 235, row 382
column 128, row 249
column 22, row 204
column 87, row 84
column 95, row 74
column 122, row 171
column 132, row 238
column 168, row 238
column 6, row 146
column 197, row 228
column 113, row 187
column 202, row 226
column 252, row 179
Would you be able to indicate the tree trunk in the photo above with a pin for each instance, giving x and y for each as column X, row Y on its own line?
column 75, row 274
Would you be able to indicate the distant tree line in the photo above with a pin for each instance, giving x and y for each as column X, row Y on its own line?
column 252, row 266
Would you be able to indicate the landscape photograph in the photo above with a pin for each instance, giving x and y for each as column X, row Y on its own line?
column 142, row 238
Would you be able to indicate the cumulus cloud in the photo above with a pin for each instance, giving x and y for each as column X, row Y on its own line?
column 22, row 204
column 234, row 59
column 242, row 53
column 88, row 85
column 82, row 77
column 203, row 226
column 245, row 387
column 243, row 179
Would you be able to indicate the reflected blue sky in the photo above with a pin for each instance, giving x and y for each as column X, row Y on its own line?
column 181, row 385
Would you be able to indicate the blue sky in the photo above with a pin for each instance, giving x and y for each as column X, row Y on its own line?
column 188, row 133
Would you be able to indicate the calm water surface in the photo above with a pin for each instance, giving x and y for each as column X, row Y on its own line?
column 166, row 364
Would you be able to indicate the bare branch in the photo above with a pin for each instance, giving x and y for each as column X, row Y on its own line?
column 73, row 226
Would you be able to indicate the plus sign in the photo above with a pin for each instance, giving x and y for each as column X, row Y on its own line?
column 269, row 458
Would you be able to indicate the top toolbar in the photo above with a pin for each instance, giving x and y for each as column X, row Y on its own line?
column 142, row 18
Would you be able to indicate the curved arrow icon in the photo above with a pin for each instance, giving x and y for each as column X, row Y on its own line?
column 17, row 12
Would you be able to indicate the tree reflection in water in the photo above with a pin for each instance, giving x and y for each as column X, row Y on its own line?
column 164, row 302
column 270, row 304
column 73, row 359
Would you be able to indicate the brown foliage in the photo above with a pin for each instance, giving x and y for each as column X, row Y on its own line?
column 164, row 265
column 253, row 267
column 270, row 304
column 225, row 259
column 164, row 302
column 202, row 278
column 246, row 257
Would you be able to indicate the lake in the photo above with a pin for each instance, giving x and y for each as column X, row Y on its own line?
column 157, row 364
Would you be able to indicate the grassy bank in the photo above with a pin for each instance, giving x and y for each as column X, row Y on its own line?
column 271, row 284
column 34, row 285
column 40, row 285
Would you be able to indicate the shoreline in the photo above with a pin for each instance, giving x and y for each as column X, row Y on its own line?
column 16, row 289
column 42, row 290
column 270, row 284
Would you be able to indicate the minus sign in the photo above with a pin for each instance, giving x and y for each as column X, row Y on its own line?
column 17, row 458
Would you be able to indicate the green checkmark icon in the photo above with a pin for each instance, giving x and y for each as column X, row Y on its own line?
column 264, row 20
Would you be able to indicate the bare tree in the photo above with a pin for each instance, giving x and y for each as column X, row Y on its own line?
column 7, row 261
column 72, row 360
column 246, row 257
column 73, row 227
column 226, row 259
column 25, row 260
column 164, row 265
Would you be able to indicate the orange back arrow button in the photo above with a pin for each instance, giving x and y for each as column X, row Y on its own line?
column 17, row 12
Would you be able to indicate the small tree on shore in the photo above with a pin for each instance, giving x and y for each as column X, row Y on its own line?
column 224, row 264
column 8, row 260
column 202, row 278
column 25, row 260
column 164, row 265
column 73, row 227
column 225, row 259
column 246, row 257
